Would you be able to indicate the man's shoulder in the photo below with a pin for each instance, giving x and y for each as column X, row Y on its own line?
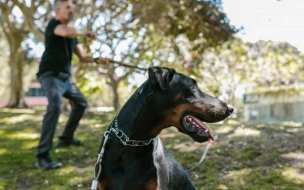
column 54, row 22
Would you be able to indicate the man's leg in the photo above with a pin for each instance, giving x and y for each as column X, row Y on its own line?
column 54, row 88
column 78, row 108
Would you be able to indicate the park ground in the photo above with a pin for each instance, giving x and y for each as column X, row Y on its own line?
column 251, row 156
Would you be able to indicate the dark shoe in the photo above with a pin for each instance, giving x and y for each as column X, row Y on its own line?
column 66, row 143
column 47, row 163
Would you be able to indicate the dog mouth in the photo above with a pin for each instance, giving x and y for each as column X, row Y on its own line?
column 195, row 128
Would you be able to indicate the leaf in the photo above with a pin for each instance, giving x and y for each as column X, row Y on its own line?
column 221, row 186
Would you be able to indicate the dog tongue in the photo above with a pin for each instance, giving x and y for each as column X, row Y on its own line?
column 202, row 125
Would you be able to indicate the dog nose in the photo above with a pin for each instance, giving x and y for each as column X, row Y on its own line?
column 230, row 108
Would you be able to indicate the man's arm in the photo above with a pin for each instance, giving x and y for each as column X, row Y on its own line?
column 84, row 57
column 69, row 32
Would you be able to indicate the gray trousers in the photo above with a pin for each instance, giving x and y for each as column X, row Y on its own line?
column 56, row 87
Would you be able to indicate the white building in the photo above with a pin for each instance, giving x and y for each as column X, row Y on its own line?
column 272, row 104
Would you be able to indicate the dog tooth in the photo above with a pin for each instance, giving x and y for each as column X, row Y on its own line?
column 206, row 130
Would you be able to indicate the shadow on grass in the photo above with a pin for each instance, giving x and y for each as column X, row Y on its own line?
column 19, row 136
column 245, row 156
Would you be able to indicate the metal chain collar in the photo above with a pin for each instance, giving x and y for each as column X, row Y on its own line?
column 125, row 139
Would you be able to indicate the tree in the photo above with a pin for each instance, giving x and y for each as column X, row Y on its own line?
column 251, row 65
column 123, row 40
column 148, row 36
column 151, row 38
column 4, row 80
column 202, row 22
column 22, row 20
column 280, row 63
column 18, row 20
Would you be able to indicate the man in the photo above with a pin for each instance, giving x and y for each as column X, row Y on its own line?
column 54, row 74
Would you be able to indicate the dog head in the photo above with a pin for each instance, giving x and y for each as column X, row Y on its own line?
column 180, row 103
column 169, row 98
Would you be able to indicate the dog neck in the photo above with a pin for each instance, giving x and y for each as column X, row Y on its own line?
column 125, row 140
column 131, row 119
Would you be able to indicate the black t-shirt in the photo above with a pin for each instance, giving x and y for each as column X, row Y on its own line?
column 58, row 51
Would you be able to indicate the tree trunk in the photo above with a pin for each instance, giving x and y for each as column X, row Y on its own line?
column 16, row 64
column 116, row 103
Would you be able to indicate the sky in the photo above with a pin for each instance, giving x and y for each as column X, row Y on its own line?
column 268, row 20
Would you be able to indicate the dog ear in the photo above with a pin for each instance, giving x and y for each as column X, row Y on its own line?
column 162, row 76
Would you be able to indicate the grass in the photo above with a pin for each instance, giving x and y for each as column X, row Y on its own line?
column 246, row 156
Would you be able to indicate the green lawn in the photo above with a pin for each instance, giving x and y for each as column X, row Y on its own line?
column 245, row 156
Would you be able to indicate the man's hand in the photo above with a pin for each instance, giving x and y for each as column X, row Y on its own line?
column 101, row 61
column 91, row 34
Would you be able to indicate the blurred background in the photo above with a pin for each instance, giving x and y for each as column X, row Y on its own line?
column 248, row 53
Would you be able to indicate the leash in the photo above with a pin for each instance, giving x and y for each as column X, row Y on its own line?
column 127, row 65
column 121, row 63
column 124, row 140
column 98, row 162
column 202, row 158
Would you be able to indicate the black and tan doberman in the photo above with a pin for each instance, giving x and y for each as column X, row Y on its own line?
column 134, row 157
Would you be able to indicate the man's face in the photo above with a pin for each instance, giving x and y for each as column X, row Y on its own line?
column 65, row 11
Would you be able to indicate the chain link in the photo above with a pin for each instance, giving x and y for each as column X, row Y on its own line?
column 125, row 139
